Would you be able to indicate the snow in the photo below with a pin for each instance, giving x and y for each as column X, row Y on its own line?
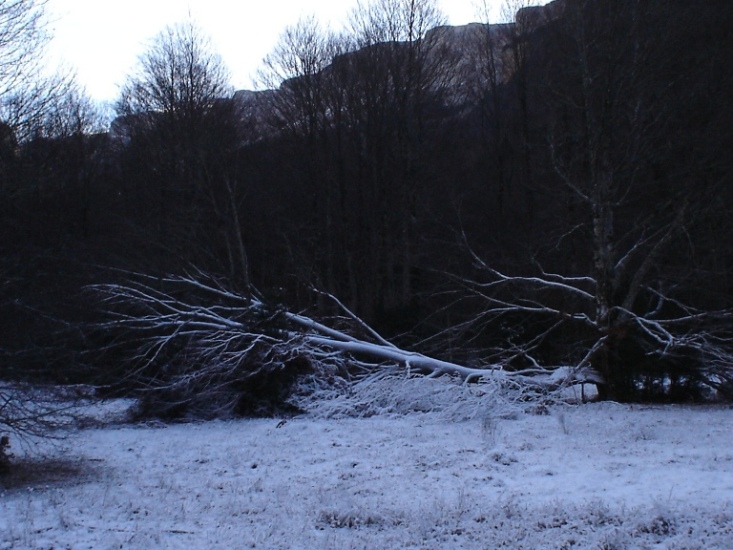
column 587, row 476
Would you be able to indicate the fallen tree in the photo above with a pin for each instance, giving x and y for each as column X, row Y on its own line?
column 196, row 347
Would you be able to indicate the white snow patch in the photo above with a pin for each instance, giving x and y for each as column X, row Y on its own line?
column 591, row 476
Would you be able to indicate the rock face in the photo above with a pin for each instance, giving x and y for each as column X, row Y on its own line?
column 456, row 50
column 533, row 17
column 462, row 50
column 467, row 48
column 253, row 104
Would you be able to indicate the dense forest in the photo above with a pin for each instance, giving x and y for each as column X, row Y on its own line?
column 551, row 192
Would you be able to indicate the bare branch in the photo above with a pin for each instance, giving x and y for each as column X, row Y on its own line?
column 199, row 337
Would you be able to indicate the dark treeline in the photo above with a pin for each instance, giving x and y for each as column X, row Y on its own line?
column 406, row 167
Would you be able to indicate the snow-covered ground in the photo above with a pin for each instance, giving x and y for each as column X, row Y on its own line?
column 595, row 476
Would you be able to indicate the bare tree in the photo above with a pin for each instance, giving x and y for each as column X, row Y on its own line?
column 179, row 75
column 22, row 37
column 26, row 88
column 307, row 111
column 359, row 110
column 34, row 102
column 34, row 108
column 392, row 84
column 625, row 307
column 27, row 97
column 33, row 412
column 295, row 67
column 485, row 79
column 181, row 127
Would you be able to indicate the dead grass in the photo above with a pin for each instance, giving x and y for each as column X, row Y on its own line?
column 30, row 473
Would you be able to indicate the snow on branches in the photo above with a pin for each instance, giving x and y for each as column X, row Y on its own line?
column 643, row 341
column 208, row 350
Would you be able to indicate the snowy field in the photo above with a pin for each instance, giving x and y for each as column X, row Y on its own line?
column 601, row 476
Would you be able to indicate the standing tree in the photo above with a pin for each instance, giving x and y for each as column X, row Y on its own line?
column 25, row 98
column 22, row 37
column 27, row 94
column 362, row 113
column 26, row 90
column 302, row 114
column 181, row 132
column 498, row 85
column 399, row 75
column 630, row 299
column 35, row 114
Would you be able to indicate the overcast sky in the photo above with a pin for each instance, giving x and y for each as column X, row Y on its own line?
column 101, row 39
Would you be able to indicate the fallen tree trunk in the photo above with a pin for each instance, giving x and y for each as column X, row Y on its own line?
column 199, row 341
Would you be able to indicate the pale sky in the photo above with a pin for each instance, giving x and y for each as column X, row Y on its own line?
column 102, row 39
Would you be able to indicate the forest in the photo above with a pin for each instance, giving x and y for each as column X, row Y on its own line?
column 546, row 201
